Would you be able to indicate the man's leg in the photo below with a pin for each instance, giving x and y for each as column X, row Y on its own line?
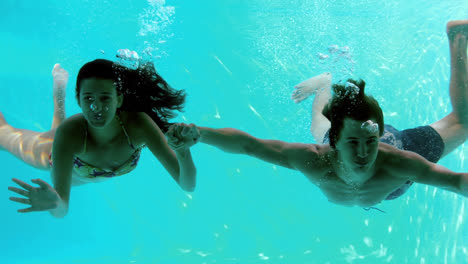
column 454, row 127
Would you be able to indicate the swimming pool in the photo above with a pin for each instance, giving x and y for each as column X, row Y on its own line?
column 238, row 61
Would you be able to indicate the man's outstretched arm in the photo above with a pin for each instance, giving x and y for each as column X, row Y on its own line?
column 442, row 177
column 289, row 155
column 422, row 171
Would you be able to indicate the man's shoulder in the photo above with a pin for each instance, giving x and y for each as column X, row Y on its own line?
column 314, row 150
column 313, row 156
column 398, row 162
column 390, row 153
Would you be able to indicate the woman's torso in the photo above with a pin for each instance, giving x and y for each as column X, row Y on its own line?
column 98, row 161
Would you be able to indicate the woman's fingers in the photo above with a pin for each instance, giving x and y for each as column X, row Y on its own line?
column 41, row 183
column 23, row 184
column 26, row 210
column 170, row 131
column 19, row 191
column 171, row 134
column 20, row 200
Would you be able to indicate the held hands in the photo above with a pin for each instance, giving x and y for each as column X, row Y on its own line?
column 182, row 136
column 42, row 198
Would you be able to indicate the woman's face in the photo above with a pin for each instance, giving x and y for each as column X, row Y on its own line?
column 99, row 101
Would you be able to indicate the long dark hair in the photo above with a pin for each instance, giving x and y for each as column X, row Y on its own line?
column 143, row 89
column 349, row 100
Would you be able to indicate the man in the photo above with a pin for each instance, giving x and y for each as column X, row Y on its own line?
column 353, row 167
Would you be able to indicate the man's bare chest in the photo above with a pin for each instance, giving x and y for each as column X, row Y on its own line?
column 366, row 194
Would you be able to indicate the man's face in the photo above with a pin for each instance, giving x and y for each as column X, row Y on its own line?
column 357, row 145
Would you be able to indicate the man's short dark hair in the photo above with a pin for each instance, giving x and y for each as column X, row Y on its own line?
column 350, row 101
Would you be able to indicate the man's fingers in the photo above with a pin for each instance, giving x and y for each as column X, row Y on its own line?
column 185, row 131
column 20, row 200
column 23, row 184
column 19, row 191
column 194, row 133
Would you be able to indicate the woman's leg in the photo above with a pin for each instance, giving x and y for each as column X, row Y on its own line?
column 454, row 127
column 30, row 146
column 320, row 124
column 319, row 85
column 60, row 76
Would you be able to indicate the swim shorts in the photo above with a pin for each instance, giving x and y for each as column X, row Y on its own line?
column 423, row 140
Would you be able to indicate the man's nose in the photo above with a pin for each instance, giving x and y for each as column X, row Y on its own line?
column 362, row 150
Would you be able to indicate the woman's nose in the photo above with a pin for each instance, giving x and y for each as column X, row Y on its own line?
column 95, row 107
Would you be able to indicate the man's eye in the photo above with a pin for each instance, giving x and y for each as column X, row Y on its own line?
column 89, row 98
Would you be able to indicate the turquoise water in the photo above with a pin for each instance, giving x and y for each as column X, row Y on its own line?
column 238, row 61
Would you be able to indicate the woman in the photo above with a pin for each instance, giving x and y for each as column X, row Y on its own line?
column 123, row 110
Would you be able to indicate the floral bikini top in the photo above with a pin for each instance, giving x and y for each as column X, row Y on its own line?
column 86, row 170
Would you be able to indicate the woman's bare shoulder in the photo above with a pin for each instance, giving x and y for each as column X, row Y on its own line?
column 138, row 126
column 74, row 122
column 133, row 118
column 136, row 120
column 72, row 130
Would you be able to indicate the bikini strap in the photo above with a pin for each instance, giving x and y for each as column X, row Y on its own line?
column 125, row 132
column 85, row 137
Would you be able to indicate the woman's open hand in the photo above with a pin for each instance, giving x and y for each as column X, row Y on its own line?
column 42, row 198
